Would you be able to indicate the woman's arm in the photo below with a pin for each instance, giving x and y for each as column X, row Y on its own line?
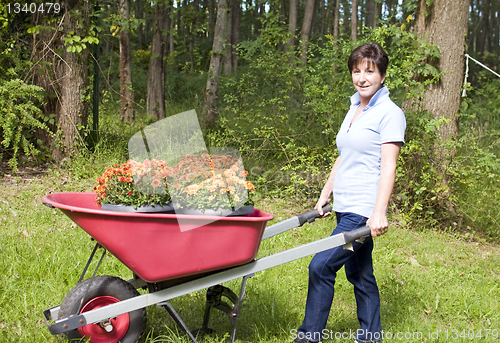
column 389, row 157
column 326, row 193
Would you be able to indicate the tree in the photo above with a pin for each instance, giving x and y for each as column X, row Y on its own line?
column 192, row 28
column 323, row 15
column 485, row 37
column 227, row 60
column 235, row 37
column 126, row 92
column 45, row 72
column 155, row 101
column 64, row 75
column 445, row 24
column 230, row 58
column 306, row 29
column 209, row 114
column 211, row 21
column 171, row 41
column 336, row 15
column 346, row 17
column 292, row 24
column 371, row 13
column 354, row 20
column 139, row 15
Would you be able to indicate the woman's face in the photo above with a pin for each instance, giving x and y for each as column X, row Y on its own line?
column 367, row 79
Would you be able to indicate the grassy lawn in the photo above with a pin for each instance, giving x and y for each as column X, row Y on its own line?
column 435, row 286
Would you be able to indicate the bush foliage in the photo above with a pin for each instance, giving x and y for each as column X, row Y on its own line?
column 20, row 117
column 284, row 115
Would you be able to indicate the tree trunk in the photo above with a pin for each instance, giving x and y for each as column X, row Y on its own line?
column 171, row 29
column 328, row 14
column 166, row 34
column 47, row 69
column 475, row 19
column 323, row 15
column 314, row 23
column 292, row 25
column 228, row 49
column 346, row 20
column 209, row 114
column 139, row 14
column 126, row 92
column 444, row 23
column 211, row 21
column 73, row 83
column 497, row 34
column 370, row 13
column 354, row 20
column 336, row 15
column 446, row 26
column 155, row 101
column 306, row 29
column 282, row 10
column 236, row 32
column 64, row 76
column 193, row 26
column 178, row 20
column 486, row 27
column 378, row 9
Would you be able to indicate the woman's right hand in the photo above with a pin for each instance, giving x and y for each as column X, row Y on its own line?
column 319, row 206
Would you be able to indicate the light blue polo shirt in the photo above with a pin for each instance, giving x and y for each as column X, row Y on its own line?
column 356, row 181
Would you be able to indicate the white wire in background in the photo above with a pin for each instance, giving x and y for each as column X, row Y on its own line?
column 467, row 71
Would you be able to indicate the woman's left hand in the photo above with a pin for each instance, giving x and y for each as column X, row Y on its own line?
column 378, row 224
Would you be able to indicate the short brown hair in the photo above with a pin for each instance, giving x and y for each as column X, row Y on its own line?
column 371, row 52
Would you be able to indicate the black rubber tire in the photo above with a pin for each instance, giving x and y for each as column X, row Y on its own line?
column 104, row 285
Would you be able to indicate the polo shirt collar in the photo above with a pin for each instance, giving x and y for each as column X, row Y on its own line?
column 377, row 98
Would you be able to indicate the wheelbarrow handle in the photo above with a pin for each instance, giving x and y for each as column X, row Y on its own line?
column 357, row 234
column 310, row 216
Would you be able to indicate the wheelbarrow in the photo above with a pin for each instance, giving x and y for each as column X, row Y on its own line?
column 169, row 263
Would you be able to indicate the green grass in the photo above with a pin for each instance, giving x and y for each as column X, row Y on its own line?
column 428, row 280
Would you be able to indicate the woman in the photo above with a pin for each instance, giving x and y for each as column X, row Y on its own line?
column 361, row 183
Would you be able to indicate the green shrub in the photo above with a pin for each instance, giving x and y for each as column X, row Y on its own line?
column 20, row 118
column 284, row 115
column 477, row 164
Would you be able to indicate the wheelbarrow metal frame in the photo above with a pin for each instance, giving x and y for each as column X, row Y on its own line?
column 247, row 270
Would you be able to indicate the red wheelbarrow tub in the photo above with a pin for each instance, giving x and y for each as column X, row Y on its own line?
column 153, row 246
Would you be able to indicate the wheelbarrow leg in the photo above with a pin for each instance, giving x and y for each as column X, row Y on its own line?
column 237, row 306
column 214, row 300
column 175, row 316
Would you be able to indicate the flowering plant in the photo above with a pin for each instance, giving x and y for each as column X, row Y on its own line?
column 116, row 185
column 211, row 182
column 198, row 181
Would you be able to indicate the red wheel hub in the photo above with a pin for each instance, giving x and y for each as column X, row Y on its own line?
column 96, row 332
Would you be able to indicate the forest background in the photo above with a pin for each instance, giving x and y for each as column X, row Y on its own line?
column 79, row 78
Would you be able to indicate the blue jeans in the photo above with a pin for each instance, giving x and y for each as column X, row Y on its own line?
column 359, row 271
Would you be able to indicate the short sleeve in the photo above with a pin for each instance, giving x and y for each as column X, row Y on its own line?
column 393, row 126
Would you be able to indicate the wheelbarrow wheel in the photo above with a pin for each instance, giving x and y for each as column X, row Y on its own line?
column 104, row 290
